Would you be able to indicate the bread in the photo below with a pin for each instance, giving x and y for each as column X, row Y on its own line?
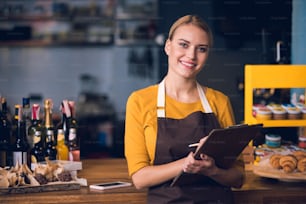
column 274, row 161
column 301, row 165
column 299, row 154
column 288, row 163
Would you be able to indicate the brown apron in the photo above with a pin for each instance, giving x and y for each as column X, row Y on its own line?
column 173, row 138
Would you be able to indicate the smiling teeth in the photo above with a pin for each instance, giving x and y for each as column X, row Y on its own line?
column 188, row 64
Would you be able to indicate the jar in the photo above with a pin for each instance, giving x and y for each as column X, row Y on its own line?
column 264, row 114
column 294, row 113
column 302, row 142
column 279, row 113
column 273, row 140
column 256, row 107
column 300, row 105
column 274, row 106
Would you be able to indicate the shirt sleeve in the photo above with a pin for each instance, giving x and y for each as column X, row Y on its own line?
column 221, row 105
column 134, row 140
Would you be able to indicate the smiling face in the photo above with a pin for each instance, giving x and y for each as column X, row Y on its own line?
column 187, row 51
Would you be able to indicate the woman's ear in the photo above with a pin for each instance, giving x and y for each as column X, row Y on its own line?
column 167, row 46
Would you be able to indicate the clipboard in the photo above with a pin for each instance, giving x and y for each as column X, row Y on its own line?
column 225, row 145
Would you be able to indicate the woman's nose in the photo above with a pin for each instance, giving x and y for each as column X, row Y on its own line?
column 191, row 53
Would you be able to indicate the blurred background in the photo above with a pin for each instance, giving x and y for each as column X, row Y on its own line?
column 96, row 52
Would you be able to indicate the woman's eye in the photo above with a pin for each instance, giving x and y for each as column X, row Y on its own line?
column 203, row 49
column 184, row 45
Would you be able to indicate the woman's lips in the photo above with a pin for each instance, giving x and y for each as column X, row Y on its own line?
column 188, row 64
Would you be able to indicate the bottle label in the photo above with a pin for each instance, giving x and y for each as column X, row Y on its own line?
column 72, row 136
column 19, row 157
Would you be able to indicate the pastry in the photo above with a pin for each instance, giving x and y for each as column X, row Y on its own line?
column 288, row 163
column 299, row 154
column 301, row 165
column 274, row 161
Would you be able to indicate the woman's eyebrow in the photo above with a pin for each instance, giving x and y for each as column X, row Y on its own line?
column 200, row 45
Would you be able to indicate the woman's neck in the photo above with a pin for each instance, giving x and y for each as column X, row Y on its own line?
column 182, row 90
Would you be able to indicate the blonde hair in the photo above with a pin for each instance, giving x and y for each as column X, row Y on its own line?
column 194, row 20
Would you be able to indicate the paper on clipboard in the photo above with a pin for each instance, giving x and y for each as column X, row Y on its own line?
column 225, row 145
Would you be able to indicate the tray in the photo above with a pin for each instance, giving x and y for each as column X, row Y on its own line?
column 264, row 169
column 55, row 186
column 68, row 165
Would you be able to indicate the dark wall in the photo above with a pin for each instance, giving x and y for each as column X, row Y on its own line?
column 237, row 27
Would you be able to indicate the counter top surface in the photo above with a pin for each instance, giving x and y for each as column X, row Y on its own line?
column 107, row 170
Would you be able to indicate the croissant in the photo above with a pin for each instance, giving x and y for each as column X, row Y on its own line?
column 301, row 165
column 299, row 154
column 288, row 163
column 274, row 161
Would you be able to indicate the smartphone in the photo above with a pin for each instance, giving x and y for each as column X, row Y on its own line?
column 109, row 185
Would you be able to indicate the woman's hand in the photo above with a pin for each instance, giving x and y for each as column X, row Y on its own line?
column 206, row 165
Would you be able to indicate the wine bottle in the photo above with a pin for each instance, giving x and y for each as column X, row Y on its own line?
column 50, row 150
column 20, row 147
column 73, row 140
column 48, row 121
column 61, row 147
column 5, row 134
column 62, row 123
column 26, row 115
column 35, row 124
column 67, row 122
column 37, row 152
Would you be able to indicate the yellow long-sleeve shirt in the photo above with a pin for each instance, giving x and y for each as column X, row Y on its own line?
column 141, row 121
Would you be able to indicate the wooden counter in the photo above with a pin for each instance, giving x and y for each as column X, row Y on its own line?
column 256, row 190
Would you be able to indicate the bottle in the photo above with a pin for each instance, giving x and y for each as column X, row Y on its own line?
column 66, row 119
column 62, row 124
column 50, row 150
column 48, row 121
column 33, row 128
column 73, row 140
column 5, row 134
column 73, row 120
column 37, row 152
column 20, row 147
column 35, row 124
column 61, row 147
column 26, row 114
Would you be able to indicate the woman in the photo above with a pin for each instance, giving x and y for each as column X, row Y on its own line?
column 162, row 120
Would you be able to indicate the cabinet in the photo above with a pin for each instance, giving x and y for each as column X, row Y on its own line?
column 46, row 22
column 136, row 22
column 272, row 76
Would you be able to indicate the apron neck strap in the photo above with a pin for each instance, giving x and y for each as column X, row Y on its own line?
column 161, row 113
column 161, row 95
column 204, row 101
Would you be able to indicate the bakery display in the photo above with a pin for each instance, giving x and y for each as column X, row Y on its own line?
column 283, row 164
column 288, row 163
column 301, row 166
column 21, row 175
column 295, row 161
column 274, row 161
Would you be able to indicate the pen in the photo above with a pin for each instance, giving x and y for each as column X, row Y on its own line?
column 194, row 145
